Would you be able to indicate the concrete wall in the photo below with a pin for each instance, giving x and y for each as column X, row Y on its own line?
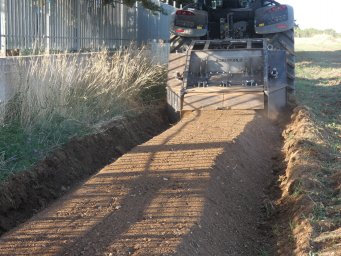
column 7, row 71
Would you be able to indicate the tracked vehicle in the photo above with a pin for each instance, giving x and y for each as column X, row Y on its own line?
column 231, row 54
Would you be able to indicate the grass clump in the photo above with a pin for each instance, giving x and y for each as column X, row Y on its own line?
column 56, row 97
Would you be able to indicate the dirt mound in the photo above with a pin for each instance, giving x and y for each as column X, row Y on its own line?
column 309, row 204
column 26, row 193
column 196, row 189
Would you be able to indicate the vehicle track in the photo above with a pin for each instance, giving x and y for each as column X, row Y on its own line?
column 196, row 189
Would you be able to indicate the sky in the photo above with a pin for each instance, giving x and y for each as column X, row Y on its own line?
column 320, row 14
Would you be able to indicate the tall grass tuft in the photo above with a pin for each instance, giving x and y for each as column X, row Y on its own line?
column 83, row 88
column 59, row 96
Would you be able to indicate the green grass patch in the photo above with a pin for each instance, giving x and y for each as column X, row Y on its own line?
column 21, row 148
column 318, row 84
column 318, row 81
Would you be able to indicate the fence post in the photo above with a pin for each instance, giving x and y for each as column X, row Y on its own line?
column 78, row 33
column 122, row 23
column 3, row 38
column 48, row 33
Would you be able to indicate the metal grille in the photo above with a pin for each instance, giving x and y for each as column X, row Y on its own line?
column 76, row 25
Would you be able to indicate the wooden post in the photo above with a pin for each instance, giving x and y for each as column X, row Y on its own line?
column 3, row 38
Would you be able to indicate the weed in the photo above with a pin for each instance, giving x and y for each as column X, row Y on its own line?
column 263, row 252
column 292, row 225
column 290, row 135
column 269, row 207
column 319, row 212
column 311, row 253
column 276, row 230
column 298, row 189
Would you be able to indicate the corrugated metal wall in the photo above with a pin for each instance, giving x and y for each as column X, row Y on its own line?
column 74, row 25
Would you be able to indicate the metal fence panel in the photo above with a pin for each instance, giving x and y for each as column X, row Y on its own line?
column 74, row 25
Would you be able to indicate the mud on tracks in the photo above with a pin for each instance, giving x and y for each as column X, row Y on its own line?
column 196, row 189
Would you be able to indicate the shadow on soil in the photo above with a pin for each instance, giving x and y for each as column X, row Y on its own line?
column 167, row 198
column 24, row 194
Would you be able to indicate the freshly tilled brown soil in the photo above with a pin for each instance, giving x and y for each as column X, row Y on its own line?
column 28, row 192
column 196, row 189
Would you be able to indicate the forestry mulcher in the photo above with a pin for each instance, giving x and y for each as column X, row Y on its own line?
column 231, row 54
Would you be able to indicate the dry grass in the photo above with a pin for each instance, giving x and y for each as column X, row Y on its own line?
column 83, row 88
column 318, row 43
column 319, row 84
column 311, row 185
column 60, row 96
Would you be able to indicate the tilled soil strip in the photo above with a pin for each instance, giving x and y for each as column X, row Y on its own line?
column 196, row 189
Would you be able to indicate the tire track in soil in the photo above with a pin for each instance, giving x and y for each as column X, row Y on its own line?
column 196, row 189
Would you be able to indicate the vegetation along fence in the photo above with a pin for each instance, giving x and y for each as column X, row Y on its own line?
column 76, row 25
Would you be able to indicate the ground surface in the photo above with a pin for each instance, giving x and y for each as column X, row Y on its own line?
column 309, row 210
column 26, row 193
column 196, row 189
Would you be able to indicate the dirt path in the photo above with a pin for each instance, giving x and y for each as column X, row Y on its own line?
column 196, row 189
